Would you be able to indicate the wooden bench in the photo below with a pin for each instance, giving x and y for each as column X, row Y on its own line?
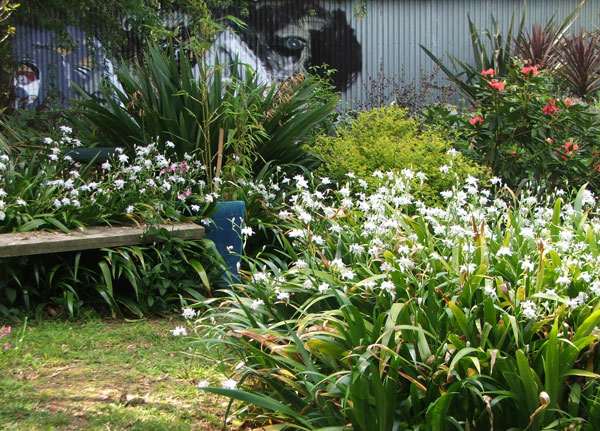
column 40, row 242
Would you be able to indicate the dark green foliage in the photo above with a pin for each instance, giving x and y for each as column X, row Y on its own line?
column 136, row 280
column 161, row 101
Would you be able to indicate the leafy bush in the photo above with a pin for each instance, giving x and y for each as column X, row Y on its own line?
column 473, row 316
column 165, row 99
column 385, row 139
column 522, row 130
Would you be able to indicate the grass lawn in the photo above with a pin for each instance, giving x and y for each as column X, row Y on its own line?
column 106, row 375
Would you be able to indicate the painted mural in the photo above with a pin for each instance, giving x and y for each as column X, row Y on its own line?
column 286, row 38
column 45, row 70
column 280, row 40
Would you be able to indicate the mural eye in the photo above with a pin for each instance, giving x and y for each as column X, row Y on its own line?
column 26, row 75
column 292, row 43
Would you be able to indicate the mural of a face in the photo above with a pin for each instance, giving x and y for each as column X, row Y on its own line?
column 43, row 69
column 288, row 37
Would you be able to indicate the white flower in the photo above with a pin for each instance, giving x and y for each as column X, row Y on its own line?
column 106, row 166
column 348, row 274
column 123, row 158
column 283, row 296
column 504, row 251
column 169, row 144
column 323, row 287
column 247, row 230
column 179, row 330
column 526, row 265
column 444, row 169
column 48, row 141
column 490, row 291
column 203, row 384
column 529, row 309
column 65, row 129
column 300, row 264
column 471, row 180
column 130, row 209
column 257, row 303
column 260, row 276
column 229, row 384
column 188, row 313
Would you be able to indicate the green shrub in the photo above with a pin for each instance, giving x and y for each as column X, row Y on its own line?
column 385, row 139
column 524, row 130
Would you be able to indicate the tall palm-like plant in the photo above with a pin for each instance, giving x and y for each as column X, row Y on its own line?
column 579, row 59
column 168, row 99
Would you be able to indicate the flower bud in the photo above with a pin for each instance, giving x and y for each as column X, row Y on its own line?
column 544, row 398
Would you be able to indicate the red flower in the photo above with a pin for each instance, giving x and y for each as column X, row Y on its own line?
column 550, row 107
column 530, row 70
column 568, row 102
column 550, row 141
column 490, row 72
column 597, row 166
column 476, row 121
column 498, row 85
column 569, row 148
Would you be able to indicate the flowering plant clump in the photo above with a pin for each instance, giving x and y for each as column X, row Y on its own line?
column 378, row 320
column 43, row 187
column 519, row 127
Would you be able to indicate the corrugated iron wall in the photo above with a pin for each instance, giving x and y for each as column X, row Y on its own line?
column 284, row 37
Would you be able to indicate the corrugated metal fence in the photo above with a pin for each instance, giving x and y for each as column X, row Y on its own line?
column 370, row 53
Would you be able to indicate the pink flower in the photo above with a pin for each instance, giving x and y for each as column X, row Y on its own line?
column 475, row 121
column 5, row 346
column 490, row 72
column 5, row 332
column 497, row 85
column 530, row 70
column 550, row 107
column 568, row 102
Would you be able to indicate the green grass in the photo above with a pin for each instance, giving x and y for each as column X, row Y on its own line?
column 101, row 375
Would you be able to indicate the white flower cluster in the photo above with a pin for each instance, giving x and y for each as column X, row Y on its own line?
column 385, row 242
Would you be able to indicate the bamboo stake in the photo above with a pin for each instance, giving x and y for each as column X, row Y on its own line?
column 219, row 158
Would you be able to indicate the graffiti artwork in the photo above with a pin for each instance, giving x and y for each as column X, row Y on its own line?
column 285, row 38
column 45, row 69
column 279, row 40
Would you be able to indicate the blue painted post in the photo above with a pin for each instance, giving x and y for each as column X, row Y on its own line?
column 225, row 232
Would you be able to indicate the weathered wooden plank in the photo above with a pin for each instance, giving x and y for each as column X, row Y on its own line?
column 38, row 242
